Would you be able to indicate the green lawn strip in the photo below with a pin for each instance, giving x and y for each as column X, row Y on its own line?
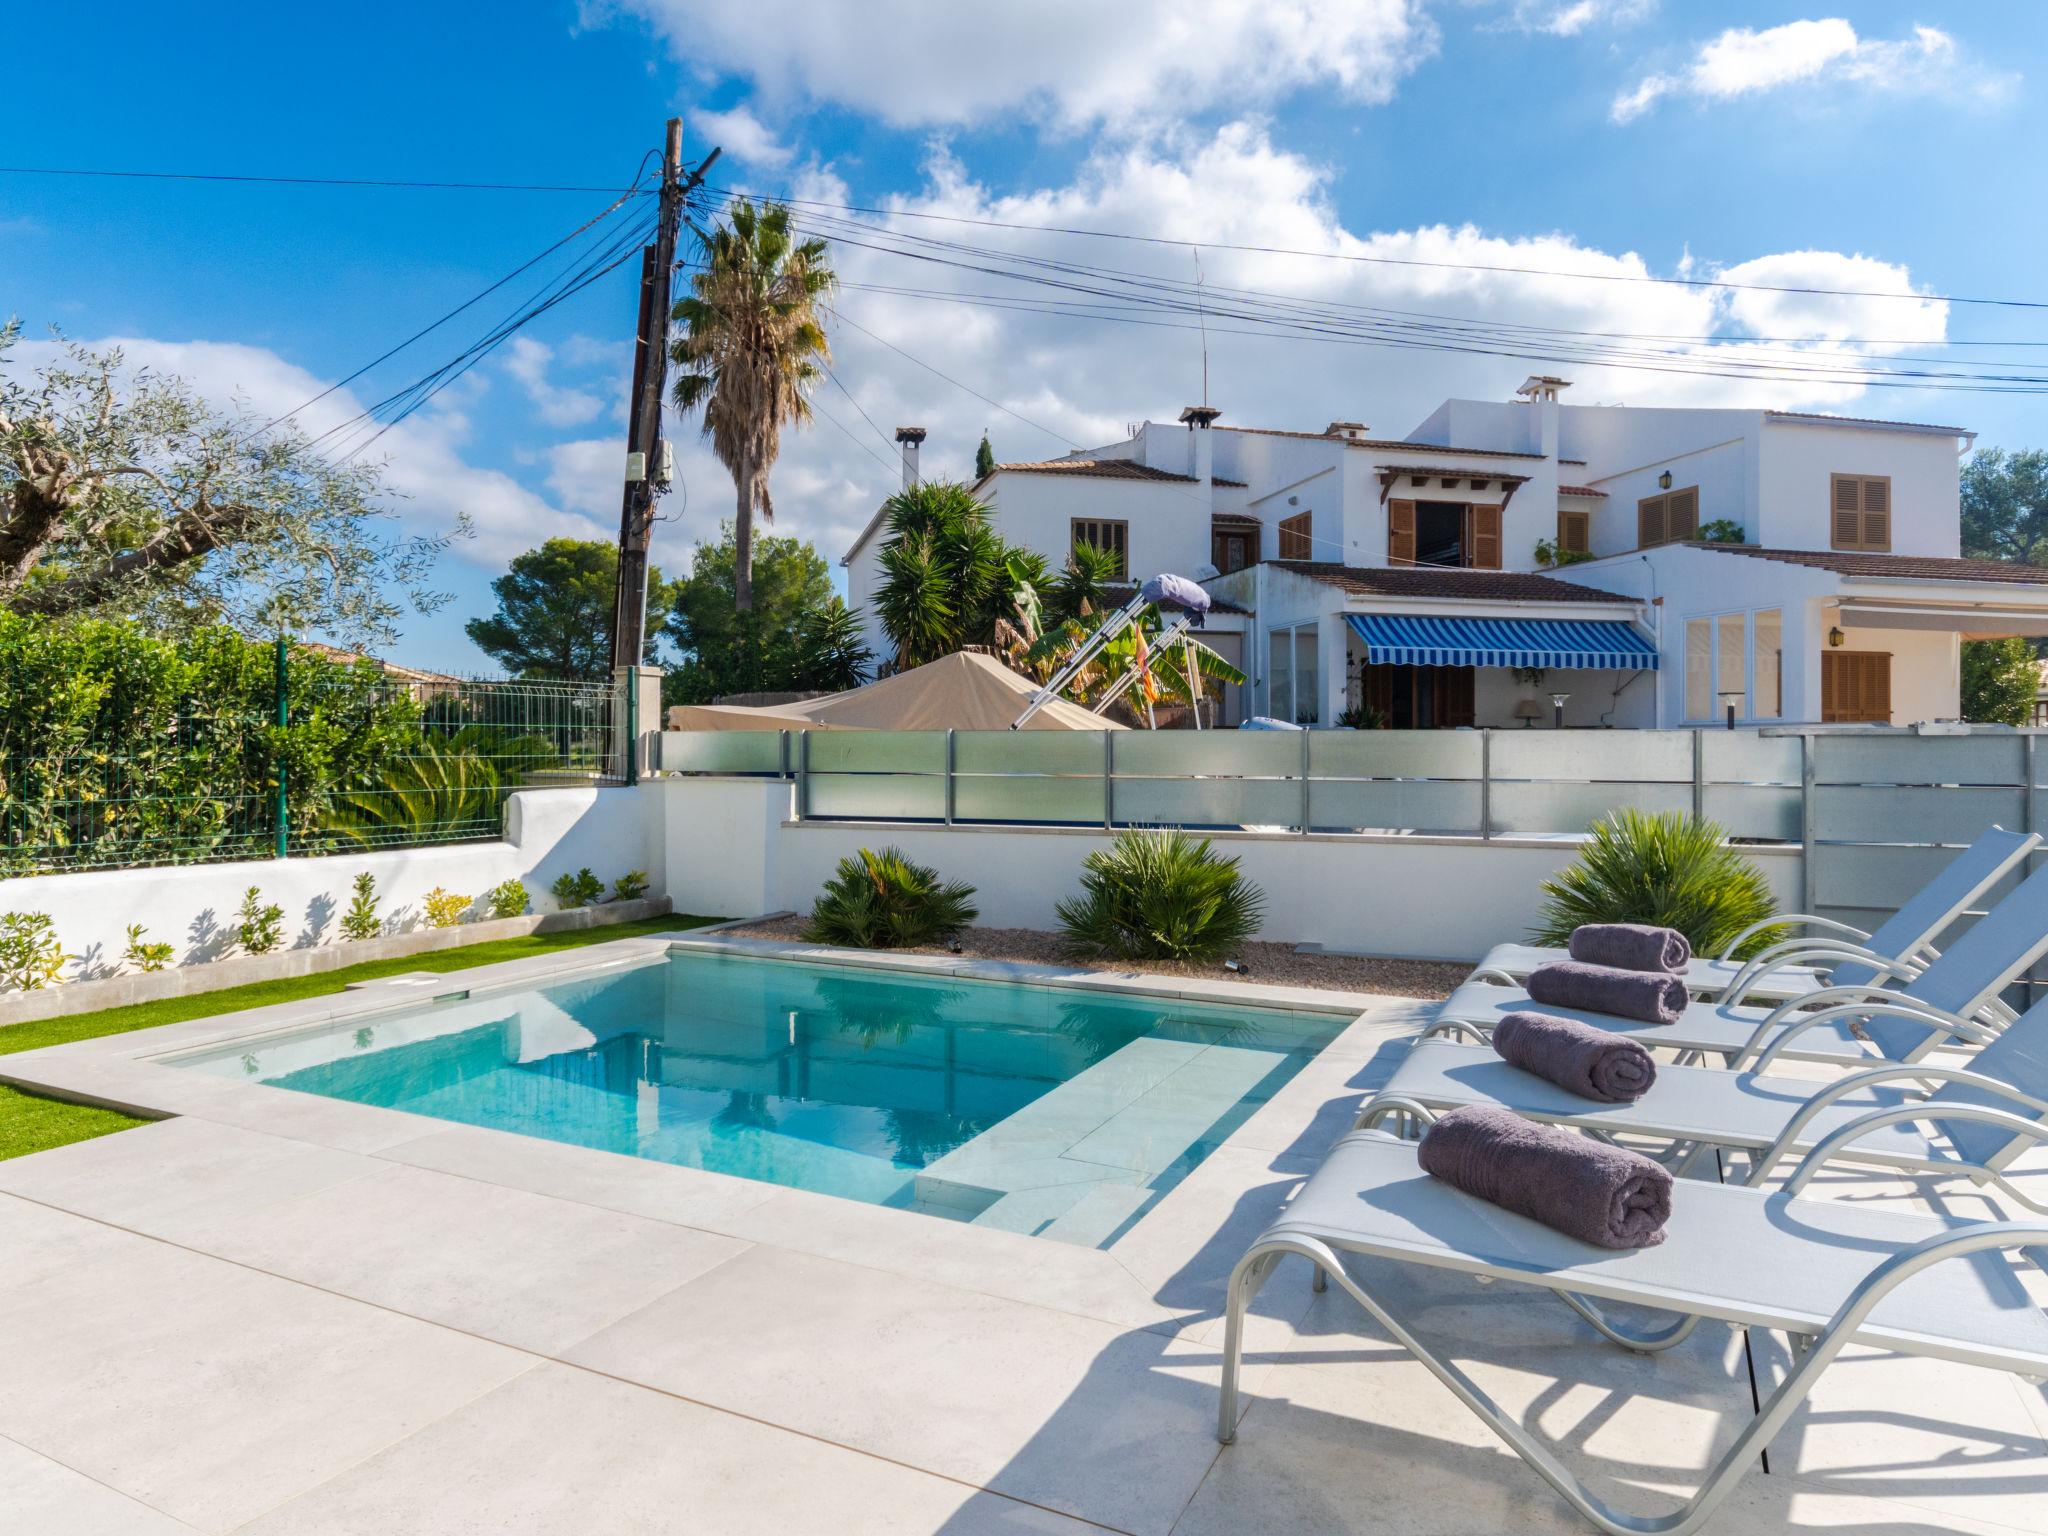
column 29, row 1123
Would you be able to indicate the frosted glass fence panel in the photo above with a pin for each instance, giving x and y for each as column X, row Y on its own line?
column 1023, row 798
column 1769, row 812
column 1547, row 809
column 1223, row 803
column 1874, row 759
column 1245, row 754
column 875, row 796
column 1743, row 757
column 1850, row 813
column 721, row 752
column 1395, row 754
column 1028, row 752
column 1604, row 755
column 1447, row 806
column 875, row 751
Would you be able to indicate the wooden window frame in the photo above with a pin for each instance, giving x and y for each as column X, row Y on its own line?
column 1220, row 535
column 1662, row 503
column 1854, row 710
column 1863, row 542
column 1089, row 530
column 1569, row 518
column 1297, row 536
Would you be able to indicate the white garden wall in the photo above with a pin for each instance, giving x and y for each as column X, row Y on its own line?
column 549, row 832
column 733, row 849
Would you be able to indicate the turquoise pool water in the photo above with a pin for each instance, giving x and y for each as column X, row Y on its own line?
column 1052, row 1111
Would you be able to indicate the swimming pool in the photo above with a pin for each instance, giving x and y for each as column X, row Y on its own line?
column 1061, row 1112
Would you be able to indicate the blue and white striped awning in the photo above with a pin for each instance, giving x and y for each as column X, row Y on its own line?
column 1430, row 641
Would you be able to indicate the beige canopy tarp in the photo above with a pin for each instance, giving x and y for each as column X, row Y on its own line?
column 964, row 692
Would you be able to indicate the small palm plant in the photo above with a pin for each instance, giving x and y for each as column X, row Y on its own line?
column 1161, row 896
column 1671, row 870
column 883, row 901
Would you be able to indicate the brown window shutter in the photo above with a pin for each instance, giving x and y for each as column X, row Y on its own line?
column 1297, row 541
column 1485, row 547
column 1877, row 513
column 1400, row 533
column 1682, row 515
column 1575, row 532
column 1649, row 521
column 1847, row 494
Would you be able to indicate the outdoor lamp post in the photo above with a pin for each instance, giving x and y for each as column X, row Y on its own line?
column 1731, row 701
column 1557, row 704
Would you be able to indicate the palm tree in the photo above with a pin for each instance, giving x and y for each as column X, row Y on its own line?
column 948, row 579
column 752, row 348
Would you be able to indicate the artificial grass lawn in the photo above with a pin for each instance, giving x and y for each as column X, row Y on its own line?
column 29, row 1123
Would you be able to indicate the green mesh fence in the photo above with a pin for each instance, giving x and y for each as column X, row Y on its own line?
column 316, row 757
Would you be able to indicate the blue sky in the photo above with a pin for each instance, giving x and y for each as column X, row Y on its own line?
column 1868, row 146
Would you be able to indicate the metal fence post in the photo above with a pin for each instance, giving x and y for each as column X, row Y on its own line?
column 281, row 809
column 803, row 775
column 1806, row 881
column 1699, row 788
column 1485, row 786
column 632, row 684
column 949, row 775
column 1304, row 784
column 1108, row 780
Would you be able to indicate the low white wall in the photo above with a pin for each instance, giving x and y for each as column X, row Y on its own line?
column 732, row 850
column 548, row 832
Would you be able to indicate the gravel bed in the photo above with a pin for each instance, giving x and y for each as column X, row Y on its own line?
column 1270, row 964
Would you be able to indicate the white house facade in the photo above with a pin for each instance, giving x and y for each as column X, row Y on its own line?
column 1533, row 563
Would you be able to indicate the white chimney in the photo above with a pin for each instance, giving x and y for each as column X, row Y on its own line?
column 1198, row 418
column 1353, row 430
column 909, row 438
column 1541, row 391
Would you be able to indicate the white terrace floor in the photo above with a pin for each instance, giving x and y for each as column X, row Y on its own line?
column 276, row 1313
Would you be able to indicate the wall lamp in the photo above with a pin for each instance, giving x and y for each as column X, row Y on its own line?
column 1664, row 481
column 1835, row 637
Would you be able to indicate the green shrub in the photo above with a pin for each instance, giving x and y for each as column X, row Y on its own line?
column 444, row 909
column 361, row 921
column 883, row 901
column 145, row 954
column 577, row 890
column 262, row 927
column 507, row 900
column 1161, row 896
column 30, row 956
column 630, row 886
column 1672, row 870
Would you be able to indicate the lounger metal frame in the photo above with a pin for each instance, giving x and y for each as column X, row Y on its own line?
column 1816, row 1353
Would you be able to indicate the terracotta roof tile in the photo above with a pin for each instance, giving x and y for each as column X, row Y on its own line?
column 1895, row 567
column 1383, row 443
column 1580, row 490
column 1106, row 469
column 1826, row 418
column 1448, row 581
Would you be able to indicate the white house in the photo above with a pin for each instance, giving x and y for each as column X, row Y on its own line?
column 1532, row 562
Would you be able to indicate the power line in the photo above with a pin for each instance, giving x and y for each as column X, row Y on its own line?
column 303, row 181
column 1061, row 437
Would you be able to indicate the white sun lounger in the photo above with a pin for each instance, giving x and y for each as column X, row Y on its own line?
column 1948, row 1004
column 1829, row 1272
column 1843, row 956
column 1904, row 1111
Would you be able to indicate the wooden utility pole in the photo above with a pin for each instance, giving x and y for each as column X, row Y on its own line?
column 643, row 426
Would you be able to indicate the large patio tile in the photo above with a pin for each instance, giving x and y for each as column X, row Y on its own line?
column 523, row 1269
column 196, row 1170
column 38, row 1494
column 1059, row 1410
column 1321, row 1101
column 562, row 1452
column 37, row 1242
column 213, row 1393
column 1032, row 1270
column 690, row 1197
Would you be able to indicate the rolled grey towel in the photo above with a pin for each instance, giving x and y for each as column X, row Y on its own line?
column 1593, row 1063
column 1651, row 996
column 1584, row 1188
column 1631, row 947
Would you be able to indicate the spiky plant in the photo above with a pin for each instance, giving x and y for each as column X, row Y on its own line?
column 1161, row 896
column 1672, row 870
column 884, row 901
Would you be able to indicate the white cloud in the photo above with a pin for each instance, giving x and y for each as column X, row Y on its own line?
column 743, row 136
column 1568, row 18
column 527, row 360
column 1743, row 61
column 432, row 481
column 1073, row 62
column 1085, row 378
